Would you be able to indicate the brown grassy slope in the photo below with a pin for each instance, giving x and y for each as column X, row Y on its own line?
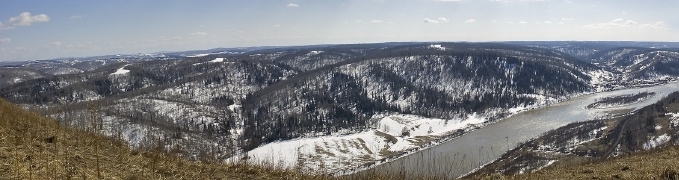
column 34, row 147
column 660, row 163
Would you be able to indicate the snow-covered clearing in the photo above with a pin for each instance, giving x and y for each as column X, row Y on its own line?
column 417, row 127
column 311, row 53
column 217, row 60
column 437, row 46
column 120, row 71
column 330, row 153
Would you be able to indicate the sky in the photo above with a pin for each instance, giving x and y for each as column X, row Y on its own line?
column 46, row 29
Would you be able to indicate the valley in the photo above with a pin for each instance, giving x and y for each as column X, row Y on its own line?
column 644, row 130
column 340, row 109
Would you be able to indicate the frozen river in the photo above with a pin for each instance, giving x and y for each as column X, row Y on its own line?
column 474, row 149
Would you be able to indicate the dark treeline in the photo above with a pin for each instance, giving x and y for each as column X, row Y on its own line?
column 620, row 100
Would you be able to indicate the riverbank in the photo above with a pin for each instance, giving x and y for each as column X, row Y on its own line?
column 391, row 137
column 484, row 145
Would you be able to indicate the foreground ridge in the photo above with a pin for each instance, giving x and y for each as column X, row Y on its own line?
column 34, row 147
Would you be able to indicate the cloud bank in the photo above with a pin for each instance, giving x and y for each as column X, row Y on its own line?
column 25, row 19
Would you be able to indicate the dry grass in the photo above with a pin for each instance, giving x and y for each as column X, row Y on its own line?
column 660, row 163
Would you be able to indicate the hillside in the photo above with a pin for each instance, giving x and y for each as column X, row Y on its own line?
column 639, row 63
column 34, row 147
column 654, row 164
column 631, row 138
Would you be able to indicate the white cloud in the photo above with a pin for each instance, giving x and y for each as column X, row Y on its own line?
column 56, row 43
column 376, row 21
column 359, row 20
column 470, row 21
column 292, row 5
column 25, row 19
column 494, row 21
column 656, row 25
column 511, row 22
column 427, row 20
column 548, row 22
column 277, row 25
column 198, row 33
column 447, row 0
column 619, row 22
column 566, row 19
column 442, row 19
column 5, row 40
column 523, row 22
column 76, row 17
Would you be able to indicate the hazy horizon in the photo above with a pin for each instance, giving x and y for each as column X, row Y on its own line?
column 34, row 29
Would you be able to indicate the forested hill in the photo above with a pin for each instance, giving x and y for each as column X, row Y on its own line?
column 442, row 82
column 240, row 99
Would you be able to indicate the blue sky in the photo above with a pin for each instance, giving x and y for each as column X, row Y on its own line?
column 32, row 29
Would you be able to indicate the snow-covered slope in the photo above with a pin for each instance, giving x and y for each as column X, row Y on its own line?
column 392, row 135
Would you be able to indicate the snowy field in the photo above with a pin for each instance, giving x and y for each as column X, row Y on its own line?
column 121, row 71
column 392, row 134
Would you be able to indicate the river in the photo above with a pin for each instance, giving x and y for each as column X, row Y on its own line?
column 477, row 148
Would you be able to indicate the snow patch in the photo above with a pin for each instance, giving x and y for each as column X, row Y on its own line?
column 674, row 119
column 311, row 53
column 198, row 55
column 437, row 46
column 657, row 141
column 121, row 71
column 217, row 60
